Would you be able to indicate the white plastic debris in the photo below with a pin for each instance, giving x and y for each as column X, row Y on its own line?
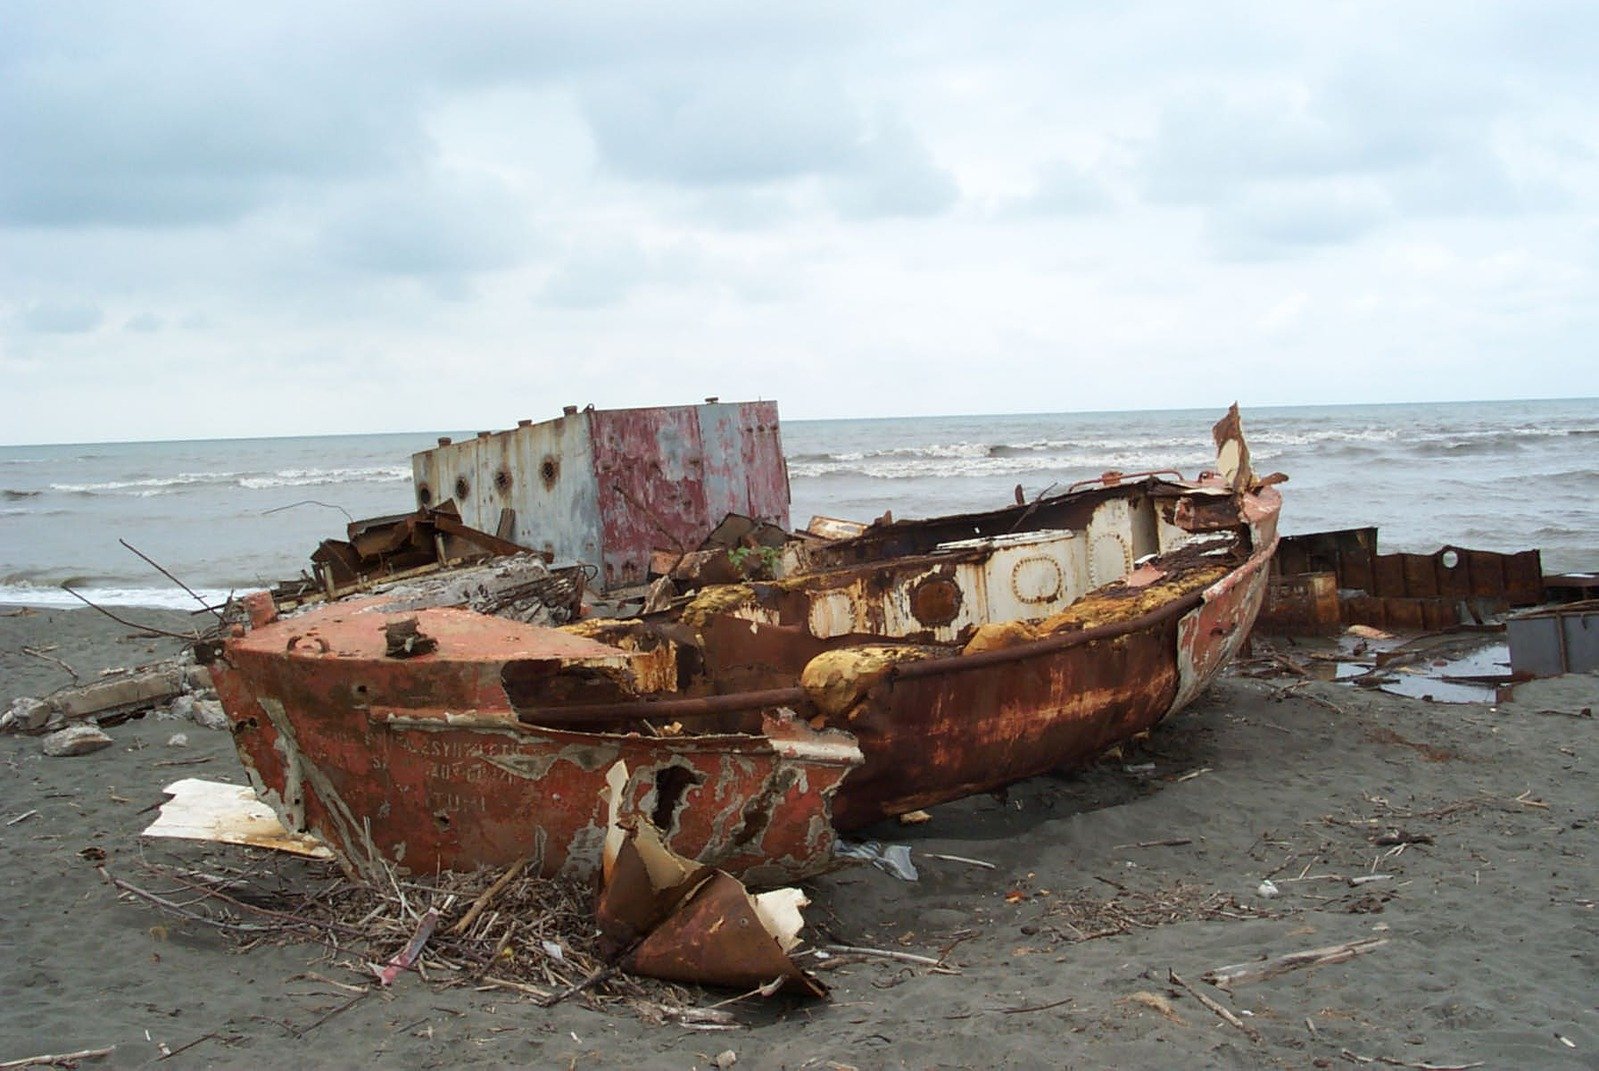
column 892, row 859
column 1268, row 889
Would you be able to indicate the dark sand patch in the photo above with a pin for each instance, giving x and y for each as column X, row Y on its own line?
column 1485, row 818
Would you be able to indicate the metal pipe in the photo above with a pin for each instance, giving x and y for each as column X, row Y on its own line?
column 696, row 707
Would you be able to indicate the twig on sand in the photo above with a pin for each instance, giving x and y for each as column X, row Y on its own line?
column 883, row 953
column 1356, row 1058
column 1174, row 842
column 48, row 657
column 1025, row 1009
column 181, row 911
column 185, row 1047
column 346, row 1006
column 1244, row 973
column 60, row 1059
column 960, row 859
column 23, row 817
column 1226, row 1016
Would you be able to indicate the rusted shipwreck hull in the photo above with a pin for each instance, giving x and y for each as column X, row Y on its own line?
column 916, row 663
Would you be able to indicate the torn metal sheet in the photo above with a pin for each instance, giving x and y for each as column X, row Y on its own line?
column 668, row 917
column 228, row 814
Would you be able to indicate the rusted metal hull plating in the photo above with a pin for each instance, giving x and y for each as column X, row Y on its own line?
column 940, row 730
column 421, row 762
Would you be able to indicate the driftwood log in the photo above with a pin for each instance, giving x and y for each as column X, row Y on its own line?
column 1244, row 973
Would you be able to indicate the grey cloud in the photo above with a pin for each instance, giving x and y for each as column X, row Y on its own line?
column 1276, row 220
column 729, row 127
column 741, row 126
column 46, row 318
column 604, row 273
column 434, row 225
column 1064, row 188
column 894, row 175
column 194, row 120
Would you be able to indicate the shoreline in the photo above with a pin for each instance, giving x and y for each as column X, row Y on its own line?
column 1104, row 880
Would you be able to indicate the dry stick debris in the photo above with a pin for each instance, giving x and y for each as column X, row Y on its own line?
column 1356, row 1058
column 535, row 936
column 59, row 1059
column 1226, row 1016
column 44, row 653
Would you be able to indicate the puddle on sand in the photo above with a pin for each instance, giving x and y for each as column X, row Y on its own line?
column 1440, row 669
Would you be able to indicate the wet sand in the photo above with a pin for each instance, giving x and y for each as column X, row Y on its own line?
column 1489, row 917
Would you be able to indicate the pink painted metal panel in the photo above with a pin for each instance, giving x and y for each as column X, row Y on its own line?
column 667, row 476
column 765, row 469
column 650, row 468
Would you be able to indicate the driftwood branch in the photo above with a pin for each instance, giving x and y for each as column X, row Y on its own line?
column 59, row 1058
column 1245, row 973
column 1209, row 1002
column 183, row 912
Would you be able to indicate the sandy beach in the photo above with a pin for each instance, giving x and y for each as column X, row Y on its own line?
column 1480, row 947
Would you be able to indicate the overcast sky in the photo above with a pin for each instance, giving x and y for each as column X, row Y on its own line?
column 223, row 219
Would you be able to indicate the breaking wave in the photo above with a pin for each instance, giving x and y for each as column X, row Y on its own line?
column 1095, row 461
column 12, row 496
column 23, row 593
column 145, row 487
column 320, row 477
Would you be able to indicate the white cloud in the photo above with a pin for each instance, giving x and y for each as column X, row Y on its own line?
column 890, row 209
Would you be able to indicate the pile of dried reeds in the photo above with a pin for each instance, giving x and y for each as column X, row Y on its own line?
column 504, row 930
column 1084, row 917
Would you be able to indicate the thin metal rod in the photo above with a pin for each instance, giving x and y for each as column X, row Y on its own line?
column 130, row 624
column 159, row 568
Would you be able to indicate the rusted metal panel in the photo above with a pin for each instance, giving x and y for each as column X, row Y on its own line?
column 421, row 762
column 1307, row 601
column 1211, row 635
column 664, row 483
column 1405, row 591
column 544, row 472
column 650, row 467
column 667, row 917
column 607, row 487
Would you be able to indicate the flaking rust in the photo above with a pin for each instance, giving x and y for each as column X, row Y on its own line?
column 908, row 664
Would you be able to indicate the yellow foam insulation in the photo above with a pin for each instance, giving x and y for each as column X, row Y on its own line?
column 717, row 599
column 836, row 681
column 1096, row 608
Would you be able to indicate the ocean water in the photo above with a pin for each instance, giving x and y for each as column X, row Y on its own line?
column 231, row 515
